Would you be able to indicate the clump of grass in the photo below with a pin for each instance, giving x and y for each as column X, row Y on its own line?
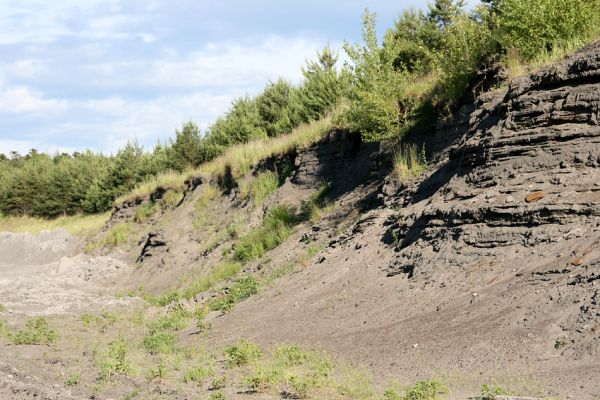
column 171, row 198
column 217, row 396
column 291, row 355
column 4, row 329
column 36, row 332
column 77, row 225
column 115, row 360
column 200, row 315
column 263, row 379
column 263, row 186
column 275, row 229
column 2, row 308
column 115, row 236
column 409, row 162
column 168, row 180
column 145, row 211
column 218, row 382
column 73, row 380
column 424, row 390
column 243, row 352
column 199, row 374
column 209, row 193
column 102, row 321
column 240, row 290
column 160, row 343
column 160, row 372
column 312, row 210
column 175, row 320
column 356, row 385
column 490, row 391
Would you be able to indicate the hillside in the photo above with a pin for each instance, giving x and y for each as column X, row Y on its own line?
column 483, row 269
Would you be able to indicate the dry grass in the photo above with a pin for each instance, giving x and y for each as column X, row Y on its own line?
column 239, row 158
column 78, row 225
column 409, row 162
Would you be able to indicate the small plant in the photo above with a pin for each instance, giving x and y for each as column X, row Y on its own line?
column 424, row 390
column 263, row 379
column 4, row 330
column 200, row 315
column 409, row 162
column 217, row 396
column 312, row 210
column 159, row 372
column 242, row 353
column 36, row 332
column 290, row 356
column 175, row 320
column 561, row 342
column 489, row 392
column 391, row 394
column 115, row 360
column 218, row 383
column 160, row 342
column 240, row 290
column 73, row 380
column 2, row 308
column 199, row 374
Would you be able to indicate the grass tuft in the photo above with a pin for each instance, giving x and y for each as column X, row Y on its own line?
column 240, row 290
column 36, row 332
column 409, row 162
column 115, row 361
column 241, row 353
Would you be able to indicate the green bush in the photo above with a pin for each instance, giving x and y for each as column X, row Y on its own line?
column 36, row 332
column 536, row 26
column 241, row 353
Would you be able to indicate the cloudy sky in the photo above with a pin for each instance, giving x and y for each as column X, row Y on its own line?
column 77, row 74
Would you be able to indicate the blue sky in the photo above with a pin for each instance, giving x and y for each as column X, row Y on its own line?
column 77, row 74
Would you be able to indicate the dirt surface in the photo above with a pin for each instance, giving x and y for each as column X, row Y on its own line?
column 486, row 268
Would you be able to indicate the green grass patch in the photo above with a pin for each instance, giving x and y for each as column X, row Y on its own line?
column 275, row 229
column 114, row 361
column 241, row 353
column 73, row 380
column 263, row 186
column 171, row 198
column 199, row 374
column 2, row 308
column 145, row 212
column 490, row 391
column 175, row 320
column 4, row 329
column 36, row 332
column 424, row 390
column 160, row 342
column 312, row 210
column 409, row 162
column 239, row 290
column 116, row 235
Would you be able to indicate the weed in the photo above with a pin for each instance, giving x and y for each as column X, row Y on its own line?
column 391, row 394
column 217, row 396
column 263, row 379
column 424, row 390
column 242, row 353
column 199, row 374
column 263, row 186
column 240, row 290
column 218, row 382
column 145, row 211
column 4, row 330
column 160, row 342
column 73, row 380
column 409, row 162
column 175, row 320
column 115, row 360
column 36, row 332
column 2, row 308
column 489, row 392
column 275, row 229
column 200, row 314
column 290, row 355
column 159, row 372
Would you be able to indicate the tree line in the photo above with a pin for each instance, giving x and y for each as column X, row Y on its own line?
column 419, row 71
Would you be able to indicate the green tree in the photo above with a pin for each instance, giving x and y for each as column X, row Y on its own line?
column 185, row 149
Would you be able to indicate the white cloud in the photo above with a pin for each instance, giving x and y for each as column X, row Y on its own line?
column 22, row 99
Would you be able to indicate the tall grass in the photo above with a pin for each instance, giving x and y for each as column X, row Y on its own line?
column 78, row 225
column 409, row 162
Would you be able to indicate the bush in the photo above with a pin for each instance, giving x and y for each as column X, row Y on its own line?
column 537, row 26
column 242, row 353
column 36, row 332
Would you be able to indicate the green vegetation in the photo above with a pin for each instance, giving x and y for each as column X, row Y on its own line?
column 424, row 390
column 312, row 209
column 240, row 290
column 409, row 162
column 160, row 342
column 275, row 229
column 241, row 353
column 73, row 380
column 102, row 321
column 199, row 374
column 114, row 361
column 145, row 211
column 2, row 308
column 489, row 392
column 78, row 225
column 36, row 332
column 4, row 329
column 263, row 186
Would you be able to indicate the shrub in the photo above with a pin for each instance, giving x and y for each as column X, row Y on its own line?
column 537, row 26
column 242, row 353
column 36, row 332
